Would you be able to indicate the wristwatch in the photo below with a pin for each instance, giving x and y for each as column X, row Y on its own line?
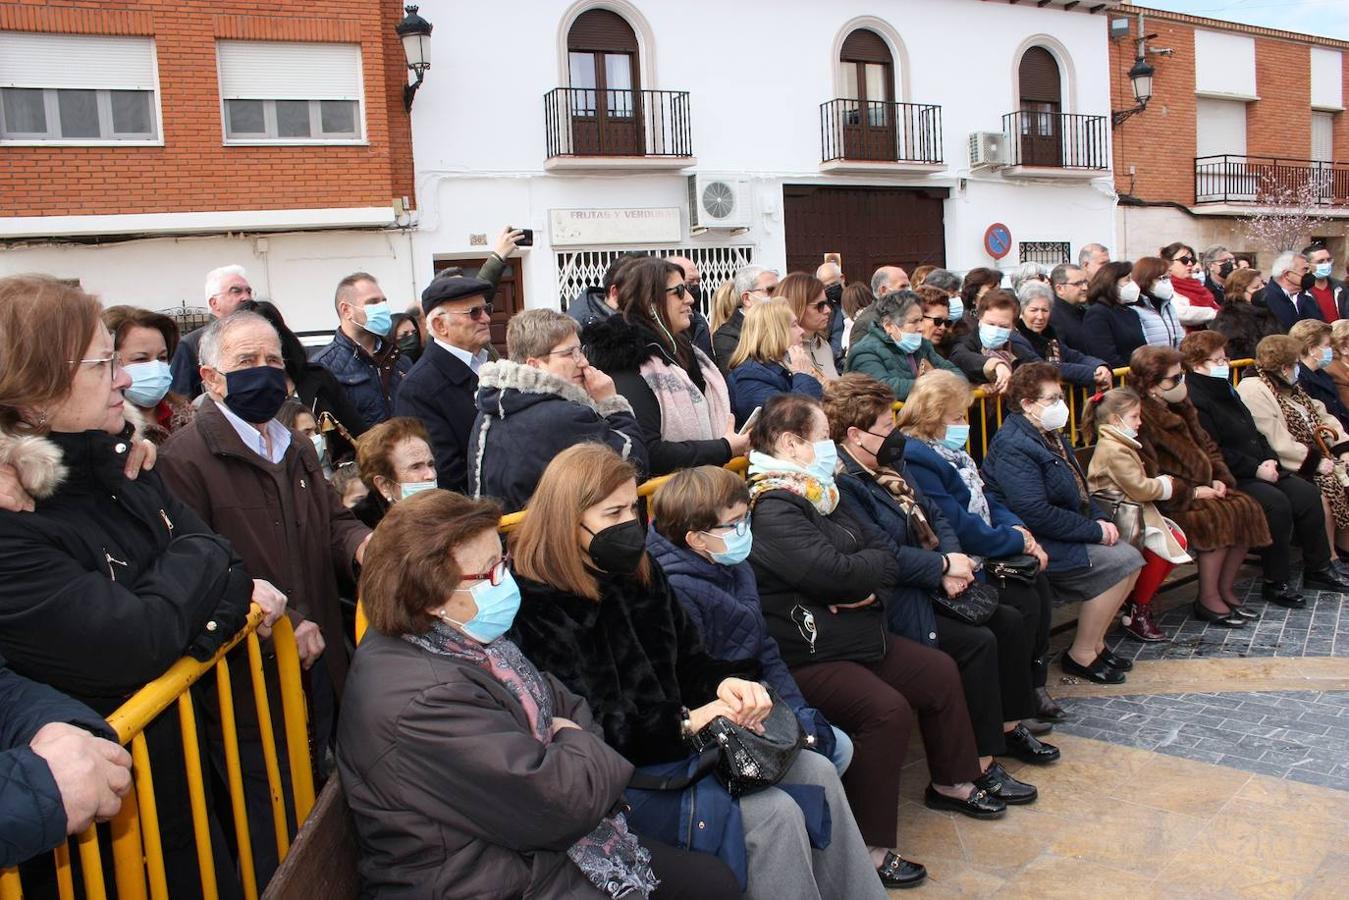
column 685, row 723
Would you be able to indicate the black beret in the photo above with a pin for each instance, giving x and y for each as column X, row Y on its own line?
column 456, row 287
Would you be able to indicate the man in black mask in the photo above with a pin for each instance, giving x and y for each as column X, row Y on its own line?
column 1219, row 262
column 834, row 281
column 699, row 332
column 260, row 485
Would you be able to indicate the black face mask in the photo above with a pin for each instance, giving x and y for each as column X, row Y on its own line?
column 834, row 294
column 255, row 394
column 890, row 454
column 1308, row 281
column 618, row 549
column 410, row 345
column 696, row 292
column 1226, row 269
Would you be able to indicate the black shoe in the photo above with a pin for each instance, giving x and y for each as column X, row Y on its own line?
column 1006, row 788
column 1099, row 671
column 1244, row 611
column 897, row 872
column 1282, row 593
column 1117, row 662
column 980, row 805
column 1047, row 708
column 1028, row 748
column 1226, row 620
column 1038, row 727
column 1325, row 580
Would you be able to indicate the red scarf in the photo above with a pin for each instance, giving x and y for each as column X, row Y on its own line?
column 1195, row 291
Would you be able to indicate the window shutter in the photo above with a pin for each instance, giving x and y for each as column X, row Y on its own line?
column 33, row 60
column 602, row 30
column 267, row 70
column 864, row 45
column 1039, row 77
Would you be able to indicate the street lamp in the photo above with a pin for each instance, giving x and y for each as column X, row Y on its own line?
column 1140, row 77
column 415, row 33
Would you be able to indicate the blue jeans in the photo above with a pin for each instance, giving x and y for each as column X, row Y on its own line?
column 842, row 754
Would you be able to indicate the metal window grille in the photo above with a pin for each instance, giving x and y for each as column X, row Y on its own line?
column 1049, row 253
column 188, row 318
column 580, row 269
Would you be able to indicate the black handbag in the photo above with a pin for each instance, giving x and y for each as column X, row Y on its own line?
column 1020, row 567
column 973, row 606
column 748, row 761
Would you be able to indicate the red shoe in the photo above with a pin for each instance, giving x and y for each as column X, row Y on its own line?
column 1138, row 623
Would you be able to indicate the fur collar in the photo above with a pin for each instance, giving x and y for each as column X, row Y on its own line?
column 617, row 345
column 504, row 375
column 39, row 461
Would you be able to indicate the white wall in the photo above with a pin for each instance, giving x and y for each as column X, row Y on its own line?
column 757, row 72
column 298, row 270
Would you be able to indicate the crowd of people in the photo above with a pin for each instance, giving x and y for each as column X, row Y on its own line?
column 531, row 715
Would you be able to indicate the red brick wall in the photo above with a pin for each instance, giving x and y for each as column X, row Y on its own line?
column 1159, row 143
column 194, row 170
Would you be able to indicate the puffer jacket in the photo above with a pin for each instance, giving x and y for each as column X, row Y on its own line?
column 1040, row 486
column 752, row 382
column 1074, row 366
column 939, row 481
column 878, row 356
column 723, row 604
column 589, row 307
column 371, row 382
column 32, row 814
column 527, row 416
column 1111, row 332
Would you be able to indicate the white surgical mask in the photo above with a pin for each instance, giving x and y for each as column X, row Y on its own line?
column 1054, row 416
column 1128, row 294
column 1162, row 289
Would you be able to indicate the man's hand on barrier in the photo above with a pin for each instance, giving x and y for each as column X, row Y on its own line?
column 1105, row 378
column 273, row 604
column 12, row 495
column 93, row 775
column 309, row 641
column 141, row 458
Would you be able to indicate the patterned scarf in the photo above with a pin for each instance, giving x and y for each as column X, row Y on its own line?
column 688, row 412
column 1299, row 414
column 768, row 473
column 609, row 856
column 969, row 474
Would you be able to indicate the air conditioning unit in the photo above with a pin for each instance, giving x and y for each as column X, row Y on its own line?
column 988, row 150
column 718, row 202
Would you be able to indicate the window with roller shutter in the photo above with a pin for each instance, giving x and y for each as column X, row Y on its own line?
column 280, row 92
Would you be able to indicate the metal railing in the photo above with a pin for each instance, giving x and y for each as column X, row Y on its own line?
column 1057, row 140
column 138, row 857
column 1229, row 178
column 591, row 122
column 875, row 131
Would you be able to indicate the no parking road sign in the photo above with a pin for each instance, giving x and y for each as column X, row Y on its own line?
column 998, row 240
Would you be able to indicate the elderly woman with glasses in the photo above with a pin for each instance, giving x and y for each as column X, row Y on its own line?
column 1033, row 471
column 1034, row 340
column 676, row 392
column 894, row 351
column 1220, row 522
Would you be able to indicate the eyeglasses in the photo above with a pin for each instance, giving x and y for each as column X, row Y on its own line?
column 1172, row 381
column 576, row 353
column 1081, row 282
column 475, row 312
column 1220, row 361
column 939, row 322
column 1053, row 398
column 821, row 306
column 679, row 290
column 496, row 574
column 739, row 526
column 99, row 363
column 770, row 290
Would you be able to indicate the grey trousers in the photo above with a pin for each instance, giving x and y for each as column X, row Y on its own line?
column 781, row 862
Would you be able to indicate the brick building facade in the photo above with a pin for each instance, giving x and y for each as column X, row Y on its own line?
column 242, row 133
column 1238, row 112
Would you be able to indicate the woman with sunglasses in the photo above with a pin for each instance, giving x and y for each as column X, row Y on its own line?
column 678, row 395
column 598, row 614
column 806, row 296
column 1194, row 302
column 470, row 773
column 770, row 359
column 1244, row 319
column 1220, row 522
column 1033, row 471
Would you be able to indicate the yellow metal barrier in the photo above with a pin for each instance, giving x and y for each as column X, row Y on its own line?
column 137, row 849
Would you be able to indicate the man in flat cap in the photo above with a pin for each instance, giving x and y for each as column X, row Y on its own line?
column 441, row 386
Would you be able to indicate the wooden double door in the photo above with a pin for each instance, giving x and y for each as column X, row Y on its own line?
column 869, row 226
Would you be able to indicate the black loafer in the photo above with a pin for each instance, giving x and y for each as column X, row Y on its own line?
column 1282, row 593
column 1028, row 748
column 1006, row 788
column 1325, row 580
column 1226, row 620
column 1099, row 671
column 898, row 873
column 980, row 805
column 1117, row 662
column 1249, row 615
column 1047, row 709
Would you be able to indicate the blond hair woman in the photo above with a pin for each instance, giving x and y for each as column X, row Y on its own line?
column 770, row 359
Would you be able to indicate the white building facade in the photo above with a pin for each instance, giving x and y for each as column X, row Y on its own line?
column 886, row 131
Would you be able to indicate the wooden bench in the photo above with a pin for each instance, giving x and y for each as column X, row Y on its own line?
column 322, row 859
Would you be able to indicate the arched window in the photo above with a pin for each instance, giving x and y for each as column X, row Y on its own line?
column 869, row 92
column 604, row 71
column 1041, row 88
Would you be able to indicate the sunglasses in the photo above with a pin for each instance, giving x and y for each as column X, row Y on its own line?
column 475, row 312
column 1185, row 260
column 821, row 306
column 679, row 290
column 939, row 322
column 1171, row 382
